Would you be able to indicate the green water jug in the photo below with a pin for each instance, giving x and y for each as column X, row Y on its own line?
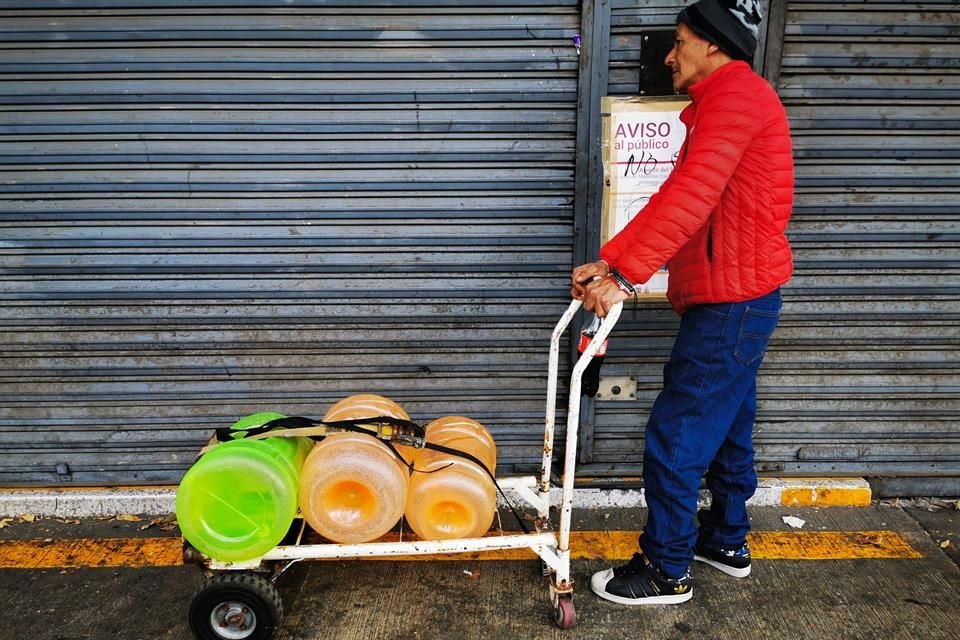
column 238, row 501
column 304, row 445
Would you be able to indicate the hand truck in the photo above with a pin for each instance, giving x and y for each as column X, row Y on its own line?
column 239, row 600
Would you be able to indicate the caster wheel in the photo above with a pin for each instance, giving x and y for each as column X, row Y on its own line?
column 565, row 615
column 236, row 606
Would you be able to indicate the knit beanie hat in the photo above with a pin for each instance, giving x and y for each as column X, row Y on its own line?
column 732, row 25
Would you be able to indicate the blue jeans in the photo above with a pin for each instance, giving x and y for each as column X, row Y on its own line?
column 702, row 424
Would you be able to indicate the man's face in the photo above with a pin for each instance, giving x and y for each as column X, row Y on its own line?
column 689, row 58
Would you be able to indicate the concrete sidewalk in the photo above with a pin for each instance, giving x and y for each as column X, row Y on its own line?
column 912, row 595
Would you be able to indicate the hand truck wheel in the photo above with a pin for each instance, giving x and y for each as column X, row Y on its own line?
column 564, row 614
column 236, row 606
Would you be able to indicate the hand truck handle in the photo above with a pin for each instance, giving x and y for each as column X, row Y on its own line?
column 573, row 411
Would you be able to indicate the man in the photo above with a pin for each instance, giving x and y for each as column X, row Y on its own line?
column 718, row 221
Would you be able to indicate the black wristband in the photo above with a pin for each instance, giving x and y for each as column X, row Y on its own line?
column 625, row 285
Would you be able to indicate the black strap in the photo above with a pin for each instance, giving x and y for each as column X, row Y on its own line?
column 299, row 422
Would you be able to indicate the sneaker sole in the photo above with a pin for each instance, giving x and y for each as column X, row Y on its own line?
column 598, row 586
column 730, row 571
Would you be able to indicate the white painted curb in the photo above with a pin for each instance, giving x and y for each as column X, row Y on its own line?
column 159, row 501
column 772, row 492
column 87, row 503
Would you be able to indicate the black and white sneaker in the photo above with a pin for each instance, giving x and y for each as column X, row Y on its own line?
column 639, row 582
column 733, row 562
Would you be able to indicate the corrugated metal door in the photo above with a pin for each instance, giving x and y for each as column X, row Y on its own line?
column 865, row 377
column 862, row 376
column 210, row 210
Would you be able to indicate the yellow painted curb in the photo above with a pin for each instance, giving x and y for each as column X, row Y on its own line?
column 91, row 552
column 825, row 492
column 585, row 545
column 829, row 545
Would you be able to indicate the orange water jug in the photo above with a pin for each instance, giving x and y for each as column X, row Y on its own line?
column 449, row 496
column 353, row 488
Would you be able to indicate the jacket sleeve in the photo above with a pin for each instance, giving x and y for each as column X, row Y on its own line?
column 725, row 126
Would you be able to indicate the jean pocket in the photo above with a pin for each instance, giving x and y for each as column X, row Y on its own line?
column 756, row 327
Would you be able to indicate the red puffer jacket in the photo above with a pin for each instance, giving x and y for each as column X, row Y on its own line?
column 718, row 220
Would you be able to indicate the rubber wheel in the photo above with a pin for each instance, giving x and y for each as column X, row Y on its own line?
column 565, row 615
column 236, row 606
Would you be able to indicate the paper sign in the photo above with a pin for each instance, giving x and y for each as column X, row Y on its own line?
column 641, row 143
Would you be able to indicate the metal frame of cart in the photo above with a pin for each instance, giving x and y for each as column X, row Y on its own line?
column 553, row 547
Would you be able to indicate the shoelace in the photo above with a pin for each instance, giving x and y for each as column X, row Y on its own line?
column 637, row 565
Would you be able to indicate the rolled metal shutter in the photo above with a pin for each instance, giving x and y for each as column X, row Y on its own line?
column 864, row 377
column 861, row 377
column 212, row 210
